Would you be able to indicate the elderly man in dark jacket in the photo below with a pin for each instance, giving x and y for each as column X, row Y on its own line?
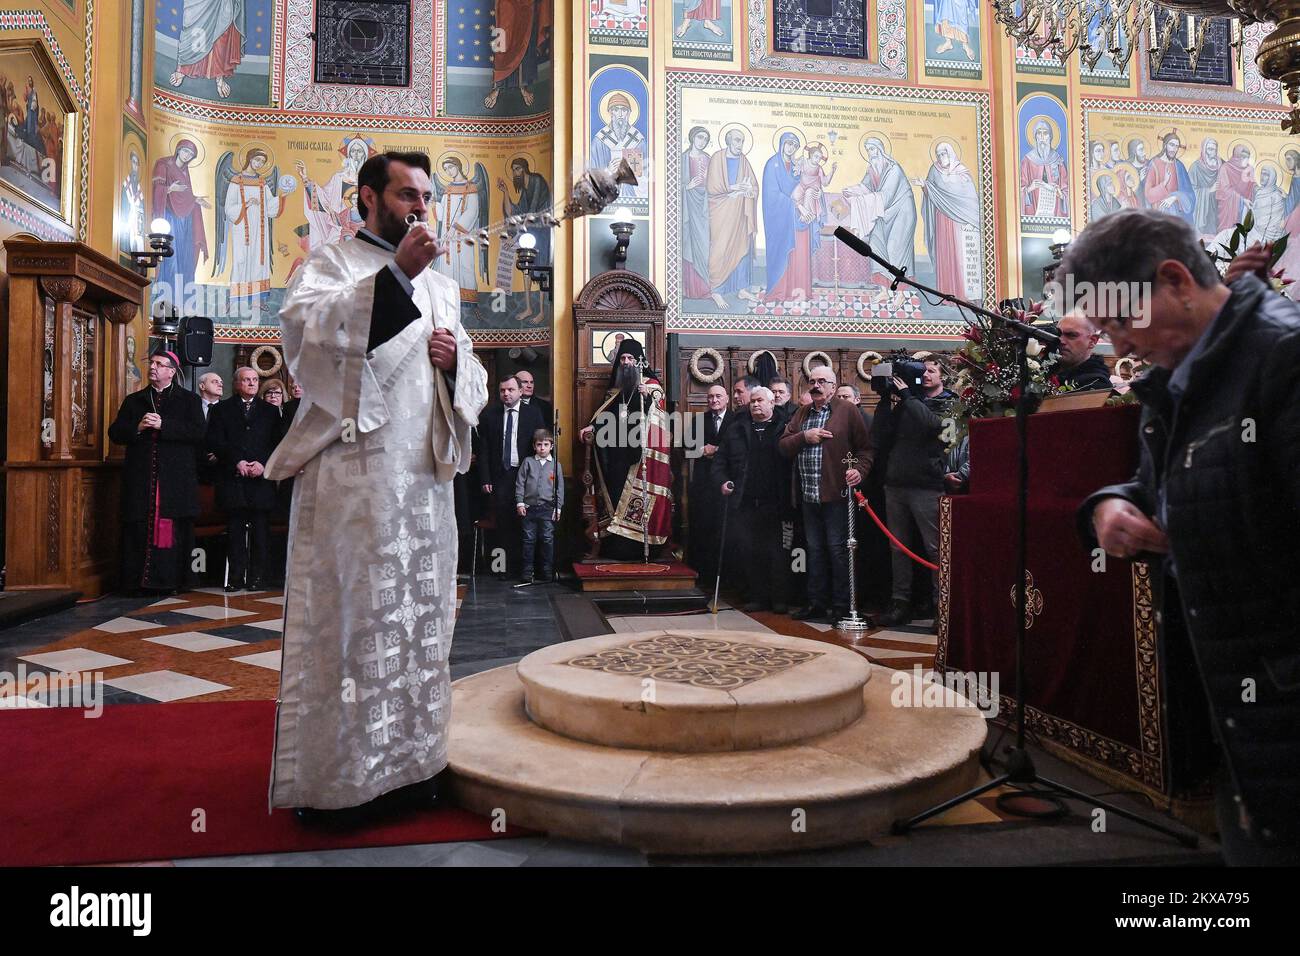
column 1215, row 508
column 754, row 480
column 162, row 428
column 242, row 432
column 817, row 440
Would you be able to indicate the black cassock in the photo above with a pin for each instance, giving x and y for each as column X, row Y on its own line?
column 160, row 497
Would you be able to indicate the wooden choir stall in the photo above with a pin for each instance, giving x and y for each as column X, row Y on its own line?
column 64, row 352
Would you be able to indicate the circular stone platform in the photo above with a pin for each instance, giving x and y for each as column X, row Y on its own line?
column 837, row 787
column 693, row 691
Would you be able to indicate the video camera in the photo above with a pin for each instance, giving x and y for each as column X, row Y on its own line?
column 909, row 370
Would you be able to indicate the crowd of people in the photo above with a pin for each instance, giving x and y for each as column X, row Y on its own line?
column 782, row 469
column 176, row 441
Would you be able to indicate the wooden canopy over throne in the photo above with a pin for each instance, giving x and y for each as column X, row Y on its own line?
column 614, row 305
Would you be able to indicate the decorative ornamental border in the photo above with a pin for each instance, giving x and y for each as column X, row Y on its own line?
column 35, row 20
column 270, row 334
column 891, row 46
column 301, row 92
column 1256, row 88
column 24, row 218
column 678, row 320
column 264, row 116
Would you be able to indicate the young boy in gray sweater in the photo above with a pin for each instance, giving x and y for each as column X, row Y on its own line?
column 539, row 497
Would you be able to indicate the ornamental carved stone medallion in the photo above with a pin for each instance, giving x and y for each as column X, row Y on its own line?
column 698, row 661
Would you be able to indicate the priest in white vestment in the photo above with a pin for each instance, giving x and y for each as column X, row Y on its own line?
column 391, row 391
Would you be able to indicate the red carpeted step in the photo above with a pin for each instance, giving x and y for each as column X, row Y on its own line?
column 128, row 785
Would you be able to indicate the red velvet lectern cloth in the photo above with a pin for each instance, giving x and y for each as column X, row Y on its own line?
column 1090, row 658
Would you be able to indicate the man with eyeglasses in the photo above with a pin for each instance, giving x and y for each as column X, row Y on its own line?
column 819, row 438
column 1214, row 509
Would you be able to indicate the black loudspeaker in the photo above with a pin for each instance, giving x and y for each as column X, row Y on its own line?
column 194, row 341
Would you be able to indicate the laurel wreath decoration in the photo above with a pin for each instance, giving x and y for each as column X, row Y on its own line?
column 808, row 362
column 866, row 362
column 701, row 376
column 256, row 360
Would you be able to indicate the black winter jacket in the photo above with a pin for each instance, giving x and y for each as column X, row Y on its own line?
column 910, row 435
column 1228, row 460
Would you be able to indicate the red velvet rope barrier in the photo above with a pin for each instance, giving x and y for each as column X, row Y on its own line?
column 890, row 535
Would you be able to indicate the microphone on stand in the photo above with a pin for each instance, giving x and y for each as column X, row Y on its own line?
column 861, row 248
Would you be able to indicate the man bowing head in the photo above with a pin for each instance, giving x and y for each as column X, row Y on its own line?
column 391, row 390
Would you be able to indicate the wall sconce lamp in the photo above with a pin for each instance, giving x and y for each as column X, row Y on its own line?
column 160, row 246
column 622, row 236
column 526, row 262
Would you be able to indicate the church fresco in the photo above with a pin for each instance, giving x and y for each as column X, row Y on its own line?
column 703, row 29
column 952, row 38
column 1209, row 166
column 620, row 129
column 1044, row 169
column 1105, row 72
column 618, row 22
column 247, row 205
column 213, row 50
column 497, row 58
column 761, row 175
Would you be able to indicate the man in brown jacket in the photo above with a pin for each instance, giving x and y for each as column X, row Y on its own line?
column 818, row 438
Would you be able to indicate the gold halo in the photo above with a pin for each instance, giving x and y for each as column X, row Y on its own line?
column 1239, row 141
column 1052, row 125
column 529, row 158
column 632, row 117
column 1277, row 171
column 1095, row 177
column 1182, row 143
column 466, row 166
column 934, row 148
column 781, row 131
column 749, row 137
column 1129, row 168
column 198, row 144
column 876, row 134
column 241, row 155
column 1290, row 148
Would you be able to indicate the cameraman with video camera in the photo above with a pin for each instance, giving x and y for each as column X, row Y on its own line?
column 909, row 421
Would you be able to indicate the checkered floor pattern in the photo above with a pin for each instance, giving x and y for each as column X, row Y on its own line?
column 202, row 645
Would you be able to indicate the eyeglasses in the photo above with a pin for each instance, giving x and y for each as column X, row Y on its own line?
column 821, row 381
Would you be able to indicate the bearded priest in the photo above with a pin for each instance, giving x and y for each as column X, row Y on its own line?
column 391, row 390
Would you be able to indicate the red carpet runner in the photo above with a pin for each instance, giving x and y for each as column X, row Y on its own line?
column 128, row 785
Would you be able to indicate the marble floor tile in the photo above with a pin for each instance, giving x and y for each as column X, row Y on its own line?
column 19, row 702
column 268, row 659
column 194, row 641
column 123, row 625
column 166, row 686
column 170, row 600
column 214, row 612
column 903, row 637
column 277, row 625
column 273, row 600
column 888, row 653
column 74, row 659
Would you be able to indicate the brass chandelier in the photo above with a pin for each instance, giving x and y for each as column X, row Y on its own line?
column 1098, row 28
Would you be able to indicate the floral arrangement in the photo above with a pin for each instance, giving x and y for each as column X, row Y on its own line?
column 988, row 374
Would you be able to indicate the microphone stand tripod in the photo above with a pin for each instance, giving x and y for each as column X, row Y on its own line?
column 1020, row 770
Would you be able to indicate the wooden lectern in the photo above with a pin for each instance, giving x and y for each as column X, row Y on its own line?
column 63, row 348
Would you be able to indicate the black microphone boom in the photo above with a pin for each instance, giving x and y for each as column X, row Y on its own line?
column 859, row 246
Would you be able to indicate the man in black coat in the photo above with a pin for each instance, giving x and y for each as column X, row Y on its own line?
column 706, row 500
column 527, row 385
column 242, row 433
column 754, row 479
column 162, row 428
column 498, row 460
column 1076, row 366
column 1215, row 509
